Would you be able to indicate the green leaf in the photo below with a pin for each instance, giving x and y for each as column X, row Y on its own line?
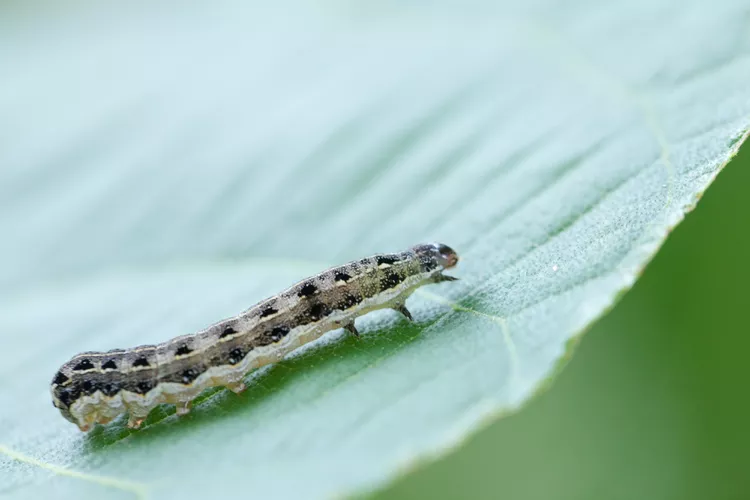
column 165, row 166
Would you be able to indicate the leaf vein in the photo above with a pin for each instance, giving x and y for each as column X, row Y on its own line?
column 139, row 490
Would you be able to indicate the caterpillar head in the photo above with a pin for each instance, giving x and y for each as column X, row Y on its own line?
column 439, row 255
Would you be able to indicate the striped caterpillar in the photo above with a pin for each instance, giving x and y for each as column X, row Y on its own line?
column 95, row 387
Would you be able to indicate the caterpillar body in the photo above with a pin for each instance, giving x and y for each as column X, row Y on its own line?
column 96, row 387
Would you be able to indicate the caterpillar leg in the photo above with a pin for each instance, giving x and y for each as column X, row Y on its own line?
column 439, row 278
column 183, row 408
column 87, row 422
column 349, row 327
column 237, row 387
column 403, row 310
column 135, row 422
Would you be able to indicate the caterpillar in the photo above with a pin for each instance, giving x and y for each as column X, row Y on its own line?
column 95, row 387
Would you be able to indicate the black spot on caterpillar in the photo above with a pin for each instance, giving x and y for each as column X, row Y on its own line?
column 235, row 356
column 349, row 300
column 183, row 350
column 88, row 387
column 109, row 388
column 96, row 387
column 268, row 311
column 318, row 310
column 83, row 365
column 307, row 290
column 60, row 379
column 109, row 365
column 274, row 335
column 386, row 260
column 144, row 387
column 189, row 375
column 66, row 396
column 390, row 279
column 279, row 332
column 227, row 332
column 140, row 362
column 339, row 276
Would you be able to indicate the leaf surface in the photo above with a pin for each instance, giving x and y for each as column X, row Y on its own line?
column 165, row 167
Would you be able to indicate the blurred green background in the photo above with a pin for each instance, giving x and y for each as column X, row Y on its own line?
column 654, row 403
